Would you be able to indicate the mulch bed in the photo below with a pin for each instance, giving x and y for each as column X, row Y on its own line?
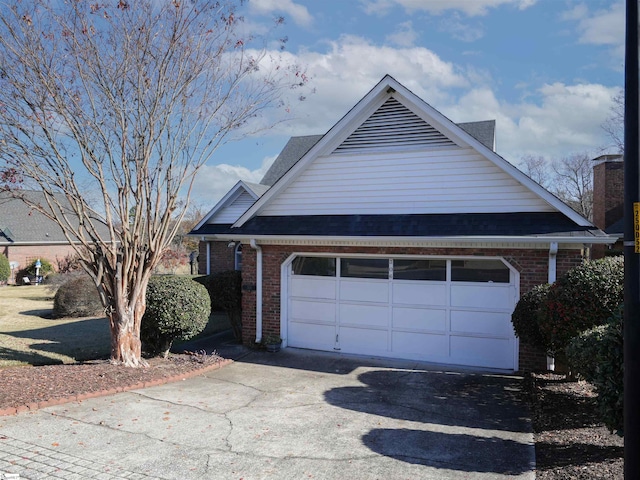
column 571, row 443
column 20, row 386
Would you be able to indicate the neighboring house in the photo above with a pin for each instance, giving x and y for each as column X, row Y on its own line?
column 26, row 234
column 398, row 234
column 608, row 202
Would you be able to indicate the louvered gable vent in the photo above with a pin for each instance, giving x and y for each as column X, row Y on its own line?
column 393, row 126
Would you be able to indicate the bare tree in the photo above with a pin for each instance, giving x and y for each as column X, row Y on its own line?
column 614, row 125
column 537, row 168
column 574, row 182
column 569, row 178
column 110, row 109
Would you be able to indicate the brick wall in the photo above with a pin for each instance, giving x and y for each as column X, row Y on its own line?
column 24, row 254
column 532, row 265
column 222, row 257
column 608, row 198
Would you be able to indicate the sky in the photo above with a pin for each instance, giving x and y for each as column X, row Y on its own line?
column 546, row 70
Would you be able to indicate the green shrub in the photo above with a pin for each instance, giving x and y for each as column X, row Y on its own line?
column 597, row 355
column 225, row 289
column 77, row 297
column 582, row 298
column 5, row 268
column 30, row 270
column 583, row 353
column 525, row 316
column 177, row 308
column 609, row 381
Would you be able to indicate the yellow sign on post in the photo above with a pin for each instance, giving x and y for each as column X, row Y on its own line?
column 636, row 226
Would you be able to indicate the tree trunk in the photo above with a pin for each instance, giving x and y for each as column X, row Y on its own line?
column 126, row 348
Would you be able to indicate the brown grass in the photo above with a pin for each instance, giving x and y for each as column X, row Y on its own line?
column 28, row 336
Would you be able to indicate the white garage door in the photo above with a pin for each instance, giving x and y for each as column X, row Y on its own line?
column 454, row 311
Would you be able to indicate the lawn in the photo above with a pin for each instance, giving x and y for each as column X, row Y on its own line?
column 28, row 336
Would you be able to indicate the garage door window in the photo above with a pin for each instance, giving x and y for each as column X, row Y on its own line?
column 364, row 267
column 420, row 270
column 493, row 271
column 317, row 266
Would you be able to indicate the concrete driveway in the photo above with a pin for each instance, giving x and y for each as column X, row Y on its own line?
column 292, row 415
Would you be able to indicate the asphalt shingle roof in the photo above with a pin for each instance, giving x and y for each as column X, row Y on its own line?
column 418, row 225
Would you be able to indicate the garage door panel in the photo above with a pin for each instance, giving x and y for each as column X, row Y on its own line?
column 419, row 319
column 309, row 335
column 422, row 293
column 313, row 311
column 420, row 344
column 489, row 323
column 483, row 352
column 313, row 287
column 364, row 291
column 363, row 340
column 364, row 315
column 491, row 296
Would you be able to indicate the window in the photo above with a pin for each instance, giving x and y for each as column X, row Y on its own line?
column 238, row 257
column 420, row 270
column 364, row 267
column 317, row 266
column 479, row 271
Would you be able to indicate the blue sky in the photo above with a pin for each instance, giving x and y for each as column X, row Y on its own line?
column 545, row 70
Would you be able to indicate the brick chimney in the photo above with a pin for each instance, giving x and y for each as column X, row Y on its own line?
column 608, row 193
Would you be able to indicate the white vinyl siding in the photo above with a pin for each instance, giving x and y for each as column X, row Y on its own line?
column 452, row 180
column 233, row 210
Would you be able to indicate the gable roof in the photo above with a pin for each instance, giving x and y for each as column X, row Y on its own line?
column 229, row 208
column 296, row 147
column 22, row 224
column 428, row 130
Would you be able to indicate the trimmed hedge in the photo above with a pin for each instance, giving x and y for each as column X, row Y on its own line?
column 177, row 308
column 5, row 268
column 525, row 316
column 584, row 297
column 77, row 297
column 597, row 356
column 225, row 289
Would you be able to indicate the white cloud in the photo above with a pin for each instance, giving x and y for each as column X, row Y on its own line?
column 470, row 8
column 460, row 30
column 404, row 36
column 298, row 13
column 350, row 67
column 602, row 27
column 214, row 181
column 560, row 120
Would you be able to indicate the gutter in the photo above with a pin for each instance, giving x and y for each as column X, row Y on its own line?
column 606, row 239
column 553, row 252
column 258, row 250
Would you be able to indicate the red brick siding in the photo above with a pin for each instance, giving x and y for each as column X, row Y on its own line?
column 608, row 199
column 24, row 254
column 222, row 257
column 532, row 265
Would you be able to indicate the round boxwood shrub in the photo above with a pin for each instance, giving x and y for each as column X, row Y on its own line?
column 177, row 308
column 525, row 316
column 584, row 297
column 77, row 297
column 5, row 268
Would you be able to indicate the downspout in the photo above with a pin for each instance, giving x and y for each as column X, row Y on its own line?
column 208, row 258
column 553, row 252
column 258, row 250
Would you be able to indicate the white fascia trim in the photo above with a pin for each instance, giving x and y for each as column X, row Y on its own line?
column 403, row 241
column 224, row 201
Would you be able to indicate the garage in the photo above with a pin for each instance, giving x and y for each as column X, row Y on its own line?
column 446, row 310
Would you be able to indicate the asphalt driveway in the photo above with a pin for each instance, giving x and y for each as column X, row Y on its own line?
column 292, row 415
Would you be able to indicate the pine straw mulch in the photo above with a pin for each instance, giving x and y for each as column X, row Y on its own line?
column 21, row 386
column 571, row 442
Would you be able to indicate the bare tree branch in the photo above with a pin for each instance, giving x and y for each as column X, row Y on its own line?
column 116, row 107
